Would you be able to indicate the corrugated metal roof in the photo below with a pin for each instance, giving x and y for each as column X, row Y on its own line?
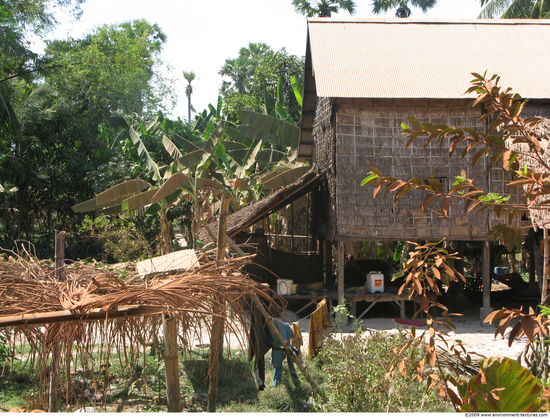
column 404, row 58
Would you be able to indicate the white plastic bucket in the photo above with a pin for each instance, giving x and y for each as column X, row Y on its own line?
column 284, row 287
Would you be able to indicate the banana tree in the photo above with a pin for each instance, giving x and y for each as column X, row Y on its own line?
column 167, row 185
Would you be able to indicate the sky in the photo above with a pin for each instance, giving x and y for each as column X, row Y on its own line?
column 201, row 35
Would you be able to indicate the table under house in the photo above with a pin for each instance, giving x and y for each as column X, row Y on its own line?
column 371, row 298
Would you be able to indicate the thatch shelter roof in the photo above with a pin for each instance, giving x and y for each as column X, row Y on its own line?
column 251, row 214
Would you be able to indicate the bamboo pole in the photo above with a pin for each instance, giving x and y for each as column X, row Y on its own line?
column 289, row 353
column 60, row 255
column 544, row 292
column 216, row 340
column 54, row 376
column 171, row 363
column 56, row 350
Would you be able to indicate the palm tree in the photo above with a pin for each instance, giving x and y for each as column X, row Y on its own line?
column 189, row 76
column 403, row 10
column 323, row 8
column 241, row 69
column 515, row 9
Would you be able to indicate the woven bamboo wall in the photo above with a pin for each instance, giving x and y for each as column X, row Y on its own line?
column 351, row 136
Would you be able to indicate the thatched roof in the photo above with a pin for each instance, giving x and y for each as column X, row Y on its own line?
column 251, row 214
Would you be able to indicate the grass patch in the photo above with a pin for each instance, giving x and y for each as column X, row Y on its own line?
column 353, row 372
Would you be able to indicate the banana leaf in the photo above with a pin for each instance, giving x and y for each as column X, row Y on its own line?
column 285, row 178
column 232, row 145
column 298, row 88
column 238, row 136
column 170, row 186
column 112, row 196
column 139, row 201
column 287, row 133
column 144, row 155
column 255, row 133
column 186, row 145
column 171, row 148
column 220, row 153
column 190, row 159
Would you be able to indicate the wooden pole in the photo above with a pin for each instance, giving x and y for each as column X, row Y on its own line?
column 289, row 353
column 216, row 340
column 60, row 255
column 486, row 309
column 341, row 288
column 56, row 349
column 544, row 291
column 171, row 363
column 54, row 376
column 222, row 228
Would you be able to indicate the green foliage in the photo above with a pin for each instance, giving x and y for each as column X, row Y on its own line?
column 257, row 76
column 54, row 153
column 358, row 376
column 109, row 70
column 323, row 8
column 402, row 6
column 118, row 239
column 502, row 385
column 515, row 9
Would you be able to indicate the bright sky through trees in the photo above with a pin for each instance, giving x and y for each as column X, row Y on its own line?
column 201, row 35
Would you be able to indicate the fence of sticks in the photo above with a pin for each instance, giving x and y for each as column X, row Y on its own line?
column 93, row 315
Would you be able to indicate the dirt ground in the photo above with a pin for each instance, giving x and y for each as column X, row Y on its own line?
column 477, row 338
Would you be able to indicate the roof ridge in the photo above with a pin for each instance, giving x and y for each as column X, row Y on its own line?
column 431, row 21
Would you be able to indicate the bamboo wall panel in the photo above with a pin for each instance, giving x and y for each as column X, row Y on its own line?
column 353, row 135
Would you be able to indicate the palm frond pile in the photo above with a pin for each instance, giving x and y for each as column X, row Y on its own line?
column 95, row 314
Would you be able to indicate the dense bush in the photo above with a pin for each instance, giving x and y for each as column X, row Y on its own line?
column 357, row 376
column 110, row 239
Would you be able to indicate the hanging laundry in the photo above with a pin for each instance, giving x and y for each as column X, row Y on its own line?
column 261, row 341
column 278, row 354
column 320, row 327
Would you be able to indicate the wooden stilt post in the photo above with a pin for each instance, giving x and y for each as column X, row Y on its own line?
column 486, row 309
column 544, row 291
column 171, row 363
column 341, row 289
column 216, row 340
column 289, row 353
column 56, row 349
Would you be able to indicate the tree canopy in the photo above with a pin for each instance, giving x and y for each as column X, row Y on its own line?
column 323, row 8
column 252, row 79
column 402, row 8
column 515, row 9
column 64, row 136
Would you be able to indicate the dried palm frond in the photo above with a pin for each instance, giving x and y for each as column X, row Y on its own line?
column 130, row 310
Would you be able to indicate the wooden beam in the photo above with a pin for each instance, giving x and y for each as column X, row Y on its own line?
column 70, row 316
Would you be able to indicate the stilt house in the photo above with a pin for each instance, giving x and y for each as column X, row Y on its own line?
column 364, row 77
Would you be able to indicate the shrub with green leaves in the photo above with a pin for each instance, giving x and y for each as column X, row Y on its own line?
column 359, row 378
column 112, row 239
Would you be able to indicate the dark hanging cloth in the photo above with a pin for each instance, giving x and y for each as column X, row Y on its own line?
column 261, row 341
